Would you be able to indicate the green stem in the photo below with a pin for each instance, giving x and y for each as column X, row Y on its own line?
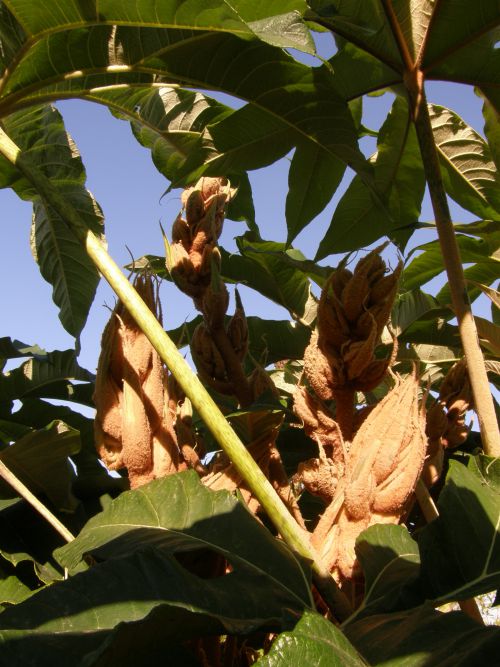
column 25, row 493
column 296, row 538
column 483, row 399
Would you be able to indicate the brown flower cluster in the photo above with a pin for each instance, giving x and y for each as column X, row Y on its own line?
column 193, row 252
column 379, row 474
column 352, row 312
column 136, row 415
column 340, row 359
column 445, row 424
column 369, row 460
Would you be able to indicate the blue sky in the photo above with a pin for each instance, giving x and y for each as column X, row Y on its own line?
column 122, row 177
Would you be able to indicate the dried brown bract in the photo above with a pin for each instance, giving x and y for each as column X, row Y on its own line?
column 133, row 426
column 382, row 468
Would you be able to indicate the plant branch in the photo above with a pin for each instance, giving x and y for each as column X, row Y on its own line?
column 25, row 493
column 483, row 399
column 296, row 538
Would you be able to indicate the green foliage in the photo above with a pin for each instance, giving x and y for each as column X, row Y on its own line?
column 148, row 575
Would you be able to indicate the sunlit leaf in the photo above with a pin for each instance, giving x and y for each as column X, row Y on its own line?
column 62, row 259
column 359, row 219
column 173, row 513
column 313, row 641
column 469, row 173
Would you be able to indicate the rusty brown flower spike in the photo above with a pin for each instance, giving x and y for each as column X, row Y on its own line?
column 354, row 308
column 193, row 250
column 445, row 419
column 352, row 312
column 133, row 426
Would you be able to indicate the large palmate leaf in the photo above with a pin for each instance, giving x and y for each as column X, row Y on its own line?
column 313, row 641
column 141, row 582
column 178, row 513
column 275, row 21
column 160, row 602
column 68, row 59
column 63, row 261
column 452, row 40
column 358, row 219
column 424, row 638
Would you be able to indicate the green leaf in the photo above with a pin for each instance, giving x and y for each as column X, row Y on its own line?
column 40, row 460
column 263, row 266
column 47, row 376
column 313, row 178
column 178, row 513
column 465, row 50
column 424, row 638
column 358, row 219
column 356, row 72
column 275, row 22
column 313, row 641
column 459, row 550
column 292, row 99
column 429, row 263
column 149, row 596
column 363, row 23
column 390, row 560
column 409, row 307
column 63, row 261
column 469, row 172
column 12, row 590
column 13, row 349
column 489, row 334
column 492, row 131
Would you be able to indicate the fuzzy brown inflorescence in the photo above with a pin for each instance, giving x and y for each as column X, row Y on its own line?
column 369, row 460
column 353, row 310
column 379, row 474
column 445, row 419
column 134, row 423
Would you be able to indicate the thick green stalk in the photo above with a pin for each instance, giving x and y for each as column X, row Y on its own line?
column 293, row 535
